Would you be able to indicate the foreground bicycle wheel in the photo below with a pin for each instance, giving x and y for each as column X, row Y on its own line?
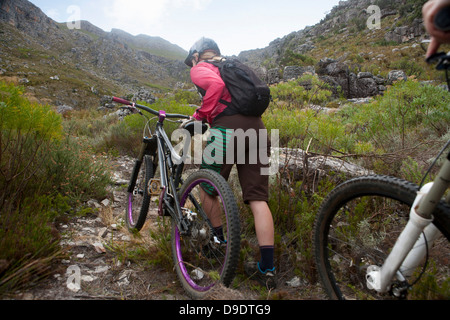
column 204, row 258
column 357, row 226
column 138, row 195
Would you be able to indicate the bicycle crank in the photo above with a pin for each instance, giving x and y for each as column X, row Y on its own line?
column 154, row 187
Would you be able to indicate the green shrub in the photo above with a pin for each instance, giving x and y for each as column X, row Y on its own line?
column 42, row 177
column 308, row 129
column 411, row 67
column 296, row 59
column 308, row 89
column 408, row 109
column 29, row 242
column 294, row 207
column 411, row 9
column 27, row 132
column 187, row 97
column 407, row 117
column 19, row 115
column 410, row 120
column 124, row 137
column 29, row 229
column 87, row 123
column 76, row 172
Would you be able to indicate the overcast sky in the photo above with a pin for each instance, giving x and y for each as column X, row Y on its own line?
column 236, row 25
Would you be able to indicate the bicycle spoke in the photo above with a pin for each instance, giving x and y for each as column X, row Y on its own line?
column 357, row 226
column 208, row 253
column 139, row 198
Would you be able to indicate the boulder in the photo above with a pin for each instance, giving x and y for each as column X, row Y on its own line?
column 396, row 75
column 295, row 72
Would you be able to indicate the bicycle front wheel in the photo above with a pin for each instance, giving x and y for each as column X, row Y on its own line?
column 357, row 226
column 208, row 254
column 138, row 194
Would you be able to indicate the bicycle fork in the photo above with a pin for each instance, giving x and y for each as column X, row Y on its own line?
column 419, row 234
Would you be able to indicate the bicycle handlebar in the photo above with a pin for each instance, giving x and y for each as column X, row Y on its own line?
column 155, row 112
column 121, row 101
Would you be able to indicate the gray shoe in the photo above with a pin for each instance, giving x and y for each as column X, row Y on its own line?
column 267, row 278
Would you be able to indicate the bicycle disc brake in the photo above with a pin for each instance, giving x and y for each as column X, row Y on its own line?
column 198, row 230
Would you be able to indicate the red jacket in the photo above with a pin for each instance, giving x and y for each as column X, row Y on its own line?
column 207, row 77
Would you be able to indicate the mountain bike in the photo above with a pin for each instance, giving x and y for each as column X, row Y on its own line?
column 204, row 254
column 374, row 236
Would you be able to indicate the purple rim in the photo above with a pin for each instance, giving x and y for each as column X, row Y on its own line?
column 130, row 208
column 177, row 239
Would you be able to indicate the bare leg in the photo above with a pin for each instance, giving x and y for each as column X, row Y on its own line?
column 263, row 223
column 212, row 208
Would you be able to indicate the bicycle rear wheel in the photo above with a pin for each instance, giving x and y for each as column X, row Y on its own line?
column 206, row 256
column 357, row 226
column 138, row 195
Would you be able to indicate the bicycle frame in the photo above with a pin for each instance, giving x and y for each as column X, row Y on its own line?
column 167, row 160
column 418, row 235
column 167, row 157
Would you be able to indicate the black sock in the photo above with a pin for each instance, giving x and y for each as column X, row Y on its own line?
column 218, row 232
column 266, row 262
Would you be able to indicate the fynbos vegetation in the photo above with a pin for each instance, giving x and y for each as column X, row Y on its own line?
column 51, row 164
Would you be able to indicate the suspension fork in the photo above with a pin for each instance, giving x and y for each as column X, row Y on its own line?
column 137, row 165
column 409, row 250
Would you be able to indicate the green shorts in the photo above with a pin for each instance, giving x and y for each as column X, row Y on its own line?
column 236, row 140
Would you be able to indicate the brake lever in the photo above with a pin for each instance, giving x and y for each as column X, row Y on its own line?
column 435, row 57
column 133, row 109
column 441, row 59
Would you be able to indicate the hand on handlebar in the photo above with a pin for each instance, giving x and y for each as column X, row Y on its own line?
column 132, row 109
column 436, row 27
column 186, row 121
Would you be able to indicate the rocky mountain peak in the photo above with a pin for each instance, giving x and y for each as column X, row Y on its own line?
column 73, row 66
column 98, row 62
column 344, row 42
column 25, row 16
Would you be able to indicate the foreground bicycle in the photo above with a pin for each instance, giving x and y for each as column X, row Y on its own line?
column 202, row 256
column 374, row 235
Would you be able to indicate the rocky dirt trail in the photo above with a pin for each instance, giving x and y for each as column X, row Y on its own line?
column 94, row 267
column 94, row 246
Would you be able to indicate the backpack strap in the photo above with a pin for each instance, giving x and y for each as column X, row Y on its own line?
column 202, row 93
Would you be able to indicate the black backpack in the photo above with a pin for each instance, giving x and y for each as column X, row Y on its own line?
column 249, row 95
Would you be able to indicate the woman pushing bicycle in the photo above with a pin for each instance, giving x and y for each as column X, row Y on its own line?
column 216, row 110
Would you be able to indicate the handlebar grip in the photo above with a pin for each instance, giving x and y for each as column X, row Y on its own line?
column 122, row 101
column 442, row 19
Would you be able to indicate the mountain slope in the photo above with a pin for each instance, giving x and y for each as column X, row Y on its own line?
column 69, row 66
column 76, row 67
column 343, row 36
